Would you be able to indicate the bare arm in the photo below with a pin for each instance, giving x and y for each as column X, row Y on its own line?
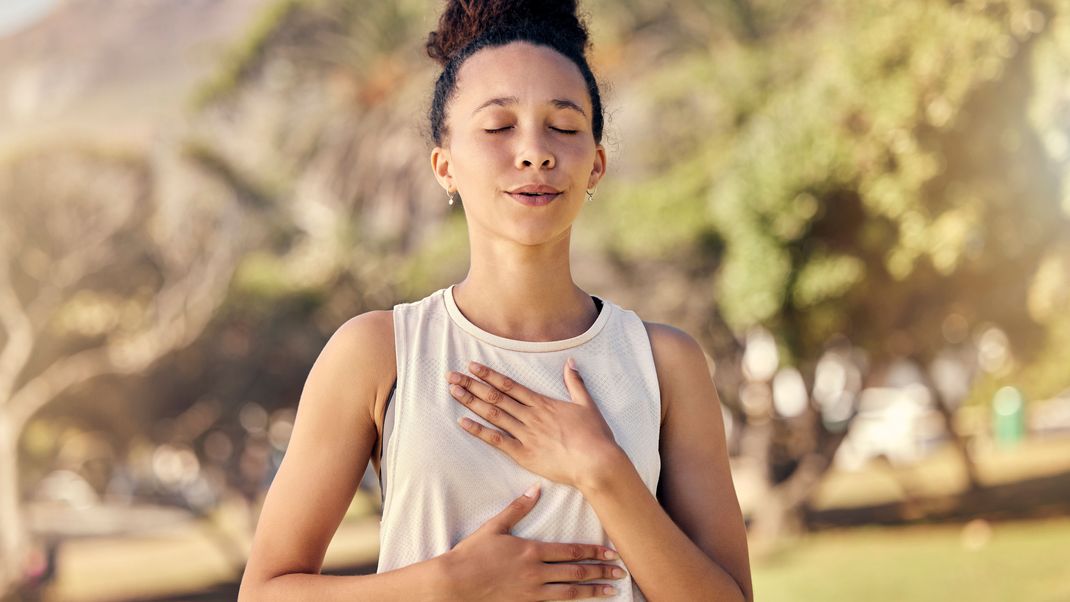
column 329, row 449
column 690, row 542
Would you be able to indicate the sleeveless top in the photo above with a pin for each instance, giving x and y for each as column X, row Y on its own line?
column 440, row 483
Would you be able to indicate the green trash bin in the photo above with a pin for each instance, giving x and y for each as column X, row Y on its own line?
column 1008, row 416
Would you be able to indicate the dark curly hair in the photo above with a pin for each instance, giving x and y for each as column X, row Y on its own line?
column 469, row 25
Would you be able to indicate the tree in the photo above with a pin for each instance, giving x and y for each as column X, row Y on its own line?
column 107, row 263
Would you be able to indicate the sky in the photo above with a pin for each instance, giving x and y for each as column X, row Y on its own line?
column 15, row 14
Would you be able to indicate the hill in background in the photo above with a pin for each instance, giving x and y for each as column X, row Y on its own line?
column 120, row 68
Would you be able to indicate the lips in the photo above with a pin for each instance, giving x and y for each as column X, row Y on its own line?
column 535, row 188
column 534, row 194
column 534, row 200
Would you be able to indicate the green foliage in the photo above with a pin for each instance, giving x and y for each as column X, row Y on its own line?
column 1043, row 378
column 657, row 215
column 826, row 277
column 1047, row 109
column 446, row 252
column 263, row 275
column 244, row 55
column 362, row 37
column 844, row 161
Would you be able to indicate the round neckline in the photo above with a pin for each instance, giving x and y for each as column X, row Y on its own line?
column 516, row 344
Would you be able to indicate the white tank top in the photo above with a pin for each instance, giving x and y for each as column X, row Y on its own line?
column 441, row 483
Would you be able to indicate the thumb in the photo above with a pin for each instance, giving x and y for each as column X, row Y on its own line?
column 516, row 510
column 574, row 382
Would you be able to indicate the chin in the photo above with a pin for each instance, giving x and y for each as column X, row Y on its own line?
column 535, row 236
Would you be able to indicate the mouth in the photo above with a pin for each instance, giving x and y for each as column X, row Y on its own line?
column 533, row 200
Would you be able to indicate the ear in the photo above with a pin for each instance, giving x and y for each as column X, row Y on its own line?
column 440, row 164
column 599, row 168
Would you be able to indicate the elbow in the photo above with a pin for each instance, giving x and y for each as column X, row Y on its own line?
column 248, row 591
column 252, row 587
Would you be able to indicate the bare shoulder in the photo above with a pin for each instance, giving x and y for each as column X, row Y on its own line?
column 678, row 359
column 671, row 341
column 368, row 331
column 366, row 342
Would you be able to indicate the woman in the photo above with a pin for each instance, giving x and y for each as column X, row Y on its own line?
column 512, row 377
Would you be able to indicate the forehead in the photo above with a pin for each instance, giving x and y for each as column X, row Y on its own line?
column 534, row 74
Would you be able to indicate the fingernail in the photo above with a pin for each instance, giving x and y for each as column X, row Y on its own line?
column 609, row 589
column 617, row 573
column 571, row 363
column 532, row 490
column 610, row 554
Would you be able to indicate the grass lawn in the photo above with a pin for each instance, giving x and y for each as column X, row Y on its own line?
column 1020, row 561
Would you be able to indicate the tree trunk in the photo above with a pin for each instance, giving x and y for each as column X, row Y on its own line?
column 780, row 513
column 12, row 536
column 969, row 465
column 943, row 406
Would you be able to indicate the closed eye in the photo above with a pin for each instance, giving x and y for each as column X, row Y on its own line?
column 509, row 126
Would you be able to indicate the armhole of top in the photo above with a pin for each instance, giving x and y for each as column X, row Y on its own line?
column 388, row 449
column 388, row 419
column 654, row 371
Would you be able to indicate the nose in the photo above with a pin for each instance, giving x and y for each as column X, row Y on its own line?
column 534, row 151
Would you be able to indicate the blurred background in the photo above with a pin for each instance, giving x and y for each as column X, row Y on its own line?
column 861, row 209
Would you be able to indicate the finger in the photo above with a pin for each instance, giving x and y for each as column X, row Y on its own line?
column 581, row 572
column 574, row 382
column 558, row 552
column 565, row 591
column 506, row 385
column 491, row 395
column 493, row 437
column 516, row 510
column 491, row 412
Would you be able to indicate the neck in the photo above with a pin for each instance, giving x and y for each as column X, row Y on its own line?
column 524, row 292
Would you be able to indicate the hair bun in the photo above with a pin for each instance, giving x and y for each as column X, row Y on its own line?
column 465, row 20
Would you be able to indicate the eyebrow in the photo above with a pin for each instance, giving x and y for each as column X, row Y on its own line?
column 559, row 103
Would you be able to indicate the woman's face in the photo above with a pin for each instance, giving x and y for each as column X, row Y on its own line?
column 520, row 116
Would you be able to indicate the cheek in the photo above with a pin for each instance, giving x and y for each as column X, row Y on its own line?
column 578, row 153
column 580, row 158
column 481, row 152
